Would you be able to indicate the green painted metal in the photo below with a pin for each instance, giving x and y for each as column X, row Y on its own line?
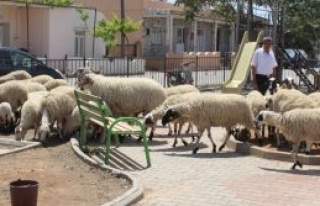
column 105, row 111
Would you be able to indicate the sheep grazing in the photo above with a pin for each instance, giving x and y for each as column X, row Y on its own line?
column 297, row 125
column 125, row 96
column 152, row 117
column 180, row 89
column 16, row 75
column 13, row 92
column 286, row 100
column 41, row 79
column 56, row 107
column 7, row 118
column 213, row 110
column 54, row 83
column 30, row 115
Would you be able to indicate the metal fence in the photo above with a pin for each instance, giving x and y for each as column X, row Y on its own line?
column 206, row 71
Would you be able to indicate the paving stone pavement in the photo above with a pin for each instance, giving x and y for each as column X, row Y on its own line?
column 178, row 177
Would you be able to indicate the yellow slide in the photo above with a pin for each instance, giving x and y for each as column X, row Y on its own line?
column 241, row 66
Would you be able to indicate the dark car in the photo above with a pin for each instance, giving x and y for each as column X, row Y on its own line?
column 297, row 56
column 12, row 59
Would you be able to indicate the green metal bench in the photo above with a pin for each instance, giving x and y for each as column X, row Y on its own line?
column 101, row 115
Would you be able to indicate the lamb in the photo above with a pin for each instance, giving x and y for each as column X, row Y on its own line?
column 30, row 115
column 16, row 75
column 297, row 125
column 56, row 107
column 180, row 89
column 41, row 79
column 125, row 96
column 213, row 110
column 54, row 83
column 151, row 118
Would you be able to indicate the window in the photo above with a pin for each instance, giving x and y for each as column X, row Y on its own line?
column 79, row 44
column 180, row 37
column 20, row 60
column 157, row 35
column 4, row 34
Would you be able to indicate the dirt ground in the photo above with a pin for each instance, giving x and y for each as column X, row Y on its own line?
column 64, row 179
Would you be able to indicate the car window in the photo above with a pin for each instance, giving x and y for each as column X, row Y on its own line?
column 20, row 60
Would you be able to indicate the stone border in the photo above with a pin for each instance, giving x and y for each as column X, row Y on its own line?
column 22, row 145
column 134, row 194
column 248, row 149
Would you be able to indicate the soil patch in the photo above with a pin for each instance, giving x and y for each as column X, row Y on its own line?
column 64, row 179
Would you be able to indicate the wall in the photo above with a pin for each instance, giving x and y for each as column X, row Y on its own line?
column 62, row 35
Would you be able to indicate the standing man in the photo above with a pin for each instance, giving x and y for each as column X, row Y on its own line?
column 263, row 66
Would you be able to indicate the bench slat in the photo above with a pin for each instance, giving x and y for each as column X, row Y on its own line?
column 87, row 105
column 87, row 97
column 94, row 115
column 125, row 125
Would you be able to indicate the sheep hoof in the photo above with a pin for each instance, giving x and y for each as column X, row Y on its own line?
column 192, row 138
column 169, row 133
column 195, row 150
column 174, row 144
column 214, row 150
column 187, row 132
column 221, row 148
column 185, row 143
column 295, row 164
column 307, row 152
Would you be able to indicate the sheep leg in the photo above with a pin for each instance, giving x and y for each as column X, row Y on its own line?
column 170, row 130
column 226, row 139
column 151, row 133
column 59, row 127
column 196, row 148
column 294, row 153
column 211, row 140
column 179, row 132
column 189, row 128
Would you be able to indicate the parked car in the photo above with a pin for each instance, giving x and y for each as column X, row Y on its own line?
column 12, row 59
column 295, row 55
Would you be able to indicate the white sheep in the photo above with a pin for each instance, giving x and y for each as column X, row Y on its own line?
column 16, row 75
column 34, row 87
column 213, row 110
column 285, row 100
column 56, row 107
column 315, row 97
column 54, row 83
column 180, row 89
column 152, row 117
column 13, row 92
column 297, row 125
column 7, row 118
column 125, row 96
column 30, row 115
column 41, row 79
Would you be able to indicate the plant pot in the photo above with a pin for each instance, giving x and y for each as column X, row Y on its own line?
column 24, row 192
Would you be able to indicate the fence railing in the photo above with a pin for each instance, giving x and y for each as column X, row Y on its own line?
column 206, row 71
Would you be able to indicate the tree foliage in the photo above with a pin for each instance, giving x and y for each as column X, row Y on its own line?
column 108, row 29
column 48, row 2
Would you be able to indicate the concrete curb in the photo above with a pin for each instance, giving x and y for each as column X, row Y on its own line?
column 22, row 145
column 248, row 149
column 134, row 194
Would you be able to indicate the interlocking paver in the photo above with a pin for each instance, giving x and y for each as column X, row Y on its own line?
column 179, row 178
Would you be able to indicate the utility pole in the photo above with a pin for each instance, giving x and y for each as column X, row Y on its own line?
column 250, row 19
column 122, row 34
column 237, row 25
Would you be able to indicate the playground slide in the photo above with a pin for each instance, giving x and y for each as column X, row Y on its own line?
column 241, row 70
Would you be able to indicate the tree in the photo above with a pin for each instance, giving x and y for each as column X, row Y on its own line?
column 48, row 2
column 108, row 29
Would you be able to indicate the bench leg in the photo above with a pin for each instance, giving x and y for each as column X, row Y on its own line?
column 116, row 136
column 108, row 145
column 146, row 149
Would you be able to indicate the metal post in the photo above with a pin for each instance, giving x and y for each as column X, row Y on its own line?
column 122, row 34
column 94, row 31
column 28, row 36
column 237, row 25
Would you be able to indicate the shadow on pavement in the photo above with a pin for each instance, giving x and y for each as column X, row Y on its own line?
column 310, row 172
column 179, row 148
column 208, row 155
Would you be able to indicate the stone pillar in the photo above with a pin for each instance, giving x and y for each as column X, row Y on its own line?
column 215, row 36
column 195, row 37
column 169, row 32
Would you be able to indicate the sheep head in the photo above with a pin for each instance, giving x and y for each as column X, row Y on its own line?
column 169, row 116
column 85, row 81
column 273, row 87
column 148, row 119
column 43, row 132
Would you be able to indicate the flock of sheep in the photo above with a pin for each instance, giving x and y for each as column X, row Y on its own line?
column 41, row 102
